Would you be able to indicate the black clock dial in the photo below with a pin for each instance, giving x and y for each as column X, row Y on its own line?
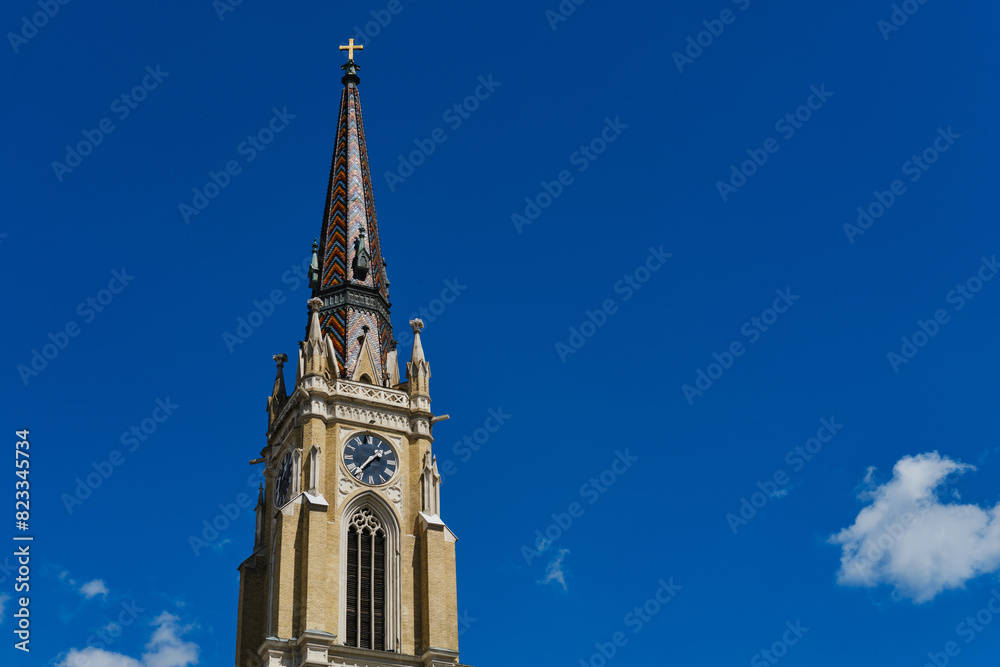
column 283, row 481
column 370, row 459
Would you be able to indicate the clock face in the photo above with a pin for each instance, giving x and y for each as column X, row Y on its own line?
column 283, row 480
column 370, row 459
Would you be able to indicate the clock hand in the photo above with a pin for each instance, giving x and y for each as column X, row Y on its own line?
column 365, row 464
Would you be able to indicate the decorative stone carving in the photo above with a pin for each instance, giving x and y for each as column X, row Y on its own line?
column 372, row 393
column 394, row 494
column 420, row 427
column 365, row 520
column 367, row 416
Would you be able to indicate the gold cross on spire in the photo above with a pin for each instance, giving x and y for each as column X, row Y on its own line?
column 350, row 48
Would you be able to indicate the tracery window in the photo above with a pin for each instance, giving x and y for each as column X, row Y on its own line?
column 366, row 586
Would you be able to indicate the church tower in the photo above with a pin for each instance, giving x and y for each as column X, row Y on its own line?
column 352, row 564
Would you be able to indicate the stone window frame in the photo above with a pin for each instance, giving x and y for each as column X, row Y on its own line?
column 393, row 595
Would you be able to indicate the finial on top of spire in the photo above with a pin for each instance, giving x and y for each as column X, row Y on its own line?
column 417, row 325
column 350, row 48
column 350, row 67
column 418, row 371
column 278, row 393
column 315, row 332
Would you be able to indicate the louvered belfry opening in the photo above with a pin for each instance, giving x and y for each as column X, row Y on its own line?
column 366, row 581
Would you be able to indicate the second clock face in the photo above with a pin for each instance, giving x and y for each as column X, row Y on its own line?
column 283, row 481
column 370, row 459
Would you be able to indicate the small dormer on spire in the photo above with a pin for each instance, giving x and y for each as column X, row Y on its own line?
column 365, row 366
column 361, row 257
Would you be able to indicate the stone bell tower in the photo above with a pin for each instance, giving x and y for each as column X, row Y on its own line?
column 352, row 563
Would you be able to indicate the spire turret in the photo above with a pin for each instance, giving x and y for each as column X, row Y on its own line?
column 352, row 284
column 314, row 267
column 418, row 371
column 278, row 396
column 259, row 518
column 316, row 354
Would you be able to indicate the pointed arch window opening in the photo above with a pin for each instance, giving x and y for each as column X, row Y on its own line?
column 296, row 487
column 258, row 536
column 366, row 582
column 314, row 469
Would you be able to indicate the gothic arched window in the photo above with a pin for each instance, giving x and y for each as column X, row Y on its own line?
column 366, row 586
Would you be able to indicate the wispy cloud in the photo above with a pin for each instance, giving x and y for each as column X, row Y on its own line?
column 554, row 570
column 907, row 538
column 165, row 648
column 92, row 589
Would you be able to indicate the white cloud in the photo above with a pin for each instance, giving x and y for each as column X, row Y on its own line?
column 95, row 657
column 554, row 571
column 165, row 648
column 907, row 538
column 92, row 589
column 221, row 544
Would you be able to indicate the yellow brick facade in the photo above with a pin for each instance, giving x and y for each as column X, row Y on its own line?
column 347, row 383
column 291, row 587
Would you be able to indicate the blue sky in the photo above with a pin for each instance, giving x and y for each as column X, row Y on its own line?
column 654, row 204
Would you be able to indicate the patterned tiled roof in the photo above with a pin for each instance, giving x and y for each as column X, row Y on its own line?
column 349, row 222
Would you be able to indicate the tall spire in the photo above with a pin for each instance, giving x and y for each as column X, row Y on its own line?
column 352, row 282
